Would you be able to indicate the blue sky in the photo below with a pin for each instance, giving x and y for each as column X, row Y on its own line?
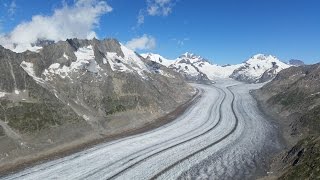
column 225, row 31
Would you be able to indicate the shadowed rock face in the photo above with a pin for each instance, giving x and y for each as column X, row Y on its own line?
column 302, row 160
column 269, row 74
column 11, row 71
column 27, row 106
column 83, row 81
column 294, row 97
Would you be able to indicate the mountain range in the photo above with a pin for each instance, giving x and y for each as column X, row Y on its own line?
column 66, row 93
column 257, row 69
column 95, row 79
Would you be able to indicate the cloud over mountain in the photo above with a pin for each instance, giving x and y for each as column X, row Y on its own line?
column 78, row 20
column 144, row 42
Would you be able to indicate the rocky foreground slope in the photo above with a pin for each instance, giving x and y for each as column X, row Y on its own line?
column 77, row 90
column 293, row 97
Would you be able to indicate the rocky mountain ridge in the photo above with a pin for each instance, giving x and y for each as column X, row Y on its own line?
column 296, row 62
column 293, row 97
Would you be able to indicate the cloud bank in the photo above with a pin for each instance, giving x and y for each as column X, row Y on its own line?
column 145, row 42
column 76, row 21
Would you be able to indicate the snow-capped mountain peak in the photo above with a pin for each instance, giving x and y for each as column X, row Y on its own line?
column 189, row 55
column 191, row 58
column 196, row 67
column 261, row 61
column 259, row 68
column 262, row 57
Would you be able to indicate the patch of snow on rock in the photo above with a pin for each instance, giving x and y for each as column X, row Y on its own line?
column 28, row 67
column 65, row 56
column 85, row 61
column 131, row 58
column 116, row 62
column 85, row 56
column 2, row 94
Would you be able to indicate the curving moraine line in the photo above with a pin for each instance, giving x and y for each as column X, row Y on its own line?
column 183, row 142
column 209, row 146
column 154, row 147
column 136, row 158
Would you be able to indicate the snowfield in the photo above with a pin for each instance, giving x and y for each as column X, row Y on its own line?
column 222, row 136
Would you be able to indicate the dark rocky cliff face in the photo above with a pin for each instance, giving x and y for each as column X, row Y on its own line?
column 27, row 106
column 73, row 88
column 12, row 75
column 293, row 97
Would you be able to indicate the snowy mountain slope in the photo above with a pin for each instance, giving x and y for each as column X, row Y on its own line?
column 259, row 68
column 188, row 65
column 214, row 71
column 99, row 58
column 195, row 66
column 158, row 58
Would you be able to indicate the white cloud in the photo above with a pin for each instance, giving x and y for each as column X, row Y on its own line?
column 145, row 42
column 140, row 17
column 155, row 8
column 159, row 7
column 77, row 21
